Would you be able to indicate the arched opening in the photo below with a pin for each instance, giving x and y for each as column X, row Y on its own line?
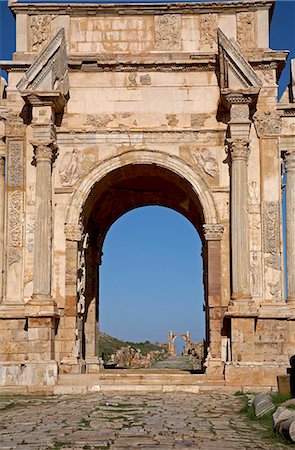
column 151, row 279
column 121, row 184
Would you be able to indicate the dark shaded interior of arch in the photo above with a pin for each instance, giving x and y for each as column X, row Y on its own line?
column 134, row 186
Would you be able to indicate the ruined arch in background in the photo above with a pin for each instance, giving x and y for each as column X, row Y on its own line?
column 114, row 187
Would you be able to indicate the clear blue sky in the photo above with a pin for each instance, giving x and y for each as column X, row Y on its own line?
column 151, row 276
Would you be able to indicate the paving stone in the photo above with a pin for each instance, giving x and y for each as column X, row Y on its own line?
column 163, row 421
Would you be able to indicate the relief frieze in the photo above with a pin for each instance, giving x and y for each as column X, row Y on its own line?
column 271, row 231
column 167, row 32
column 40, row 31
column 209, row 23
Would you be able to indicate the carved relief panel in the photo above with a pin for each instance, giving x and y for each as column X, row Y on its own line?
column 208, row 30
column 40, row 31
column 167, row 32
column 246, row 29
column 271, row 248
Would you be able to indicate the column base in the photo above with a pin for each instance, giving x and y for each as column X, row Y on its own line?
column 72, row 365
column 279, row 310
column 92, row 364
column 244, row 307
column 12, row 310
column 41, row 305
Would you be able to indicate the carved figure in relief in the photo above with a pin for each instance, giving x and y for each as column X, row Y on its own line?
column 132, row 80
column 255, row 269
column 253, row 193
column 40, row 31
column 30, row 195
column 208, row 29
column 172, row 120
column 167, row 31
column 274, row 289
column 69, row 168
column 273, row 261
column 207, row 161
column 99, row 120
column 255, row 231
column 245, row 29
column 145, row 80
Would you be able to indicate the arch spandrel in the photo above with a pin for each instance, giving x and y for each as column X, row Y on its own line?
column 160, row 159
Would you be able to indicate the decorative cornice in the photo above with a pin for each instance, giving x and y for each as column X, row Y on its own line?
column 213, row 232
column 231, row 59
column 140, row 8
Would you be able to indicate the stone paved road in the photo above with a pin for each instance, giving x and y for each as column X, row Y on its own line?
column 153, row 421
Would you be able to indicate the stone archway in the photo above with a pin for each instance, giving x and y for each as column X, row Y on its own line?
column 171, row 341
column 113, row 187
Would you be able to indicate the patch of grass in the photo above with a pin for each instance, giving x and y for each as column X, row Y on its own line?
column 8, row 405
column 86, row 446
column 59, row 444
column 278, row 399
column 265, row 421
column 85, row 423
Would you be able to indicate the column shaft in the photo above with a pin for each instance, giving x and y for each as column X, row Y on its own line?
column 2, row 213
column 290, row 223
column 239, row 219
column 43, row 222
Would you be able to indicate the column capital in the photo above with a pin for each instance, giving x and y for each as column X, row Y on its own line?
column 45, row 151
column 289, row 159
column 213, row 232
column 239, row 149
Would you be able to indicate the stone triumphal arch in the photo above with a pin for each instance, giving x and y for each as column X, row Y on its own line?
column 112, row 107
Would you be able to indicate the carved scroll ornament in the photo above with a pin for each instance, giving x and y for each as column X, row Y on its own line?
column 271, row 224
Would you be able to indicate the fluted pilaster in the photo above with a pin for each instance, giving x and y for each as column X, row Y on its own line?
column 44, row 156
column 289, row 158
column 239, row 154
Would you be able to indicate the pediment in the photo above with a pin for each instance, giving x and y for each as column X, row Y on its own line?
column 49, row 71
column 235, row 71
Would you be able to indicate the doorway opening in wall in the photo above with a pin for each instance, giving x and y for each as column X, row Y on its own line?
column 151, row 282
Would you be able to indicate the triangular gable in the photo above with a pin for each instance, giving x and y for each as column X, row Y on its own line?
column 235, row 71
column 49, row 72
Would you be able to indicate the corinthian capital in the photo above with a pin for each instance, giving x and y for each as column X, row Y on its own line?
column 289, row 158
column 213, row 232
column 239, row 149
column 45, row 151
